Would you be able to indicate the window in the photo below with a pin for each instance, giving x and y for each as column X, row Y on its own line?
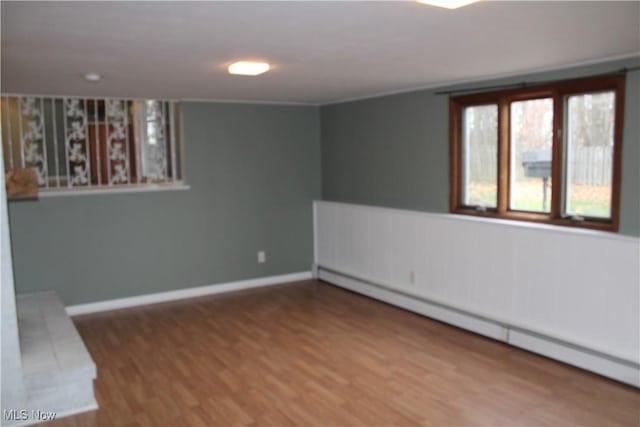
column 548, row 153
column 80, row 144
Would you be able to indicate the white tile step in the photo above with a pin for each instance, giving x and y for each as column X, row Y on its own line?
column 57, row 369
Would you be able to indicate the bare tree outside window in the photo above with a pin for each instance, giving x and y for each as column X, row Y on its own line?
column 589, row 154
column 480, row 160
column 532, row 137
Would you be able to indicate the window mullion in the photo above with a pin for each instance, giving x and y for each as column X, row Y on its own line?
column 503, row 155
column 455, row 155
column 558, row 157
column 617, row 153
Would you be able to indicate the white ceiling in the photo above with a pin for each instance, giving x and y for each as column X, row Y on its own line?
column 321, row 52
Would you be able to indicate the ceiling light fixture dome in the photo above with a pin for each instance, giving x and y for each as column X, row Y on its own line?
column 248, row 68
column 448, row 4
column 92, row 77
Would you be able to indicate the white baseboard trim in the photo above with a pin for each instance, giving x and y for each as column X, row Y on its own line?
column 588, row 359
column 114, row 304
column 435, row 311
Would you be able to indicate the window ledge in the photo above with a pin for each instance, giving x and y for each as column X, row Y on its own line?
column 119, row 189
column 553, row 228
column 498, row 222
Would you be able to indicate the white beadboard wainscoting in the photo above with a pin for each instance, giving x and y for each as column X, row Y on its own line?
column 570, row 294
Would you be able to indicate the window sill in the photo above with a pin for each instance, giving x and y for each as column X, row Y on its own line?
column 498, row 222
column 116, row 189
column 542, row 219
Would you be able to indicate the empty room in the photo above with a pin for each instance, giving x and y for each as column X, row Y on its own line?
column 320, row 213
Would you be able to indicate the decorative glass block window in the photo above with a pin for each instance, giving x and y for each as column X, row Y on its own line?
column 80, row 144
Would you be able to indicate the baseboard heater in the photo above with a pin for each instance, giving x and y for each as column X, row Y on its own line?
column 625, row 371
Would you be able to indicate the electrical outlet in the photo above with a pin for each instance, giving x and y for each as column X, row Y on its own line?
column 262, row 257
column 412, row 277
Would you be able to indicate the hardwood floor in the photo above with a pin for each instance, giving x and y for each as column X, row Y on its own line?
column 314, row 354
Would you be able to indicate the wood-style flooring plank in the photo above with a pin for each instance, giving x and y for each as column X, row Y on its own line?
column 311, row 354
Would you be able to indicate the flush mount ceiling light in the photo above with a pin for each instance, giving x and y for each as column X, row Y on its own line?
column 448, row 4
column 248, row 68
column 92, row 77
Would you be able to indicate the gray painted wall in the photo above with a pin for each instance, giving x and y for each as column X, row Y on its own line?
column 253, row 170
column 394, row 150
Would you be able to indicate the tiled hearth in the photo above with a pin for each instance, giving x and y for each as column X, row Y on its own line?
column 57, row 369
